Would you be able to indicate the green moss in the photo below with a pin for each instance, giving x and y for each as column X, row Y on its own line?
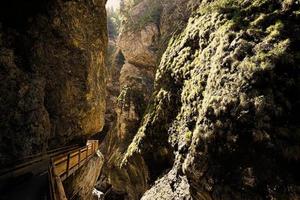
column 275, row 30
column 123, row 93
column 297, row 13
column 151, row 15
column 219, row 6
column 259, row 20
column 258, row 3
column 267, row 60
column 220, row 103
column 188, row 136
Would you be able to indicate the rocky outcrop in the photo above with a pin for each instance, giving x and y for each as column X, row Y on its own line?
column 225, row 105
column 138, row 46
column 173, row 19
column 52, row 74
column 81, row 185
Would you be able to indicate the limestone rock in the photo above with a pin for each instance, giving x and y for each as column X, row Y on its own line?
column 74, row 67
column 171, row 186
column 138, row 46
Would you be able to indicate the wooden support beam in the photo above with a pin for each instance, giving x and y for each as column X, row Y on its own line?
column 60, row 191
column 64, row 165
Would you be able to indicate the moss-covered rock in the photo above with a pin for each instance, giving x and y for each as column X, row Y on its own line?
column 225, row 105
column 146, row 28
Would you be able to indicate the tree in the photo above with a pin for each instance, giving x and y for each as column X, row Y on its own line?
column 113, row 22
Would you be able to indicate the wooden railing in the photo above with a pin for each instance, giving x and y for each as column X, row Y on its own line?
column 27, row 164
column 62, row 166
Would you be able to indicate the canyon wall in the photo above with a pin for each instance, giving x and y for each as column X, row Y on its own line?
column 203, row 96
column 222, row 120
column 52, row 74
column 145, row 31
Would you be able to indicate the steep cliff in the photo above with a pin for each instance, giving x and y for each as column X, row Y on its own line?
column 222, row 121
column 146, row 28
column 114, row 62
column 52, row 74
column 226, row 100
column 216, row 119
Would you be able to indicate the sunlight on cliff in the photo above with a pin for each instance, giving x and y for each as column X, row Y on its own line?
column 115, row 4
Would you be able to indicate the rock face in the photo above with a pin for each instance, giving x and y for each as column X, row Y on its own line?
column 25, row 122
column 140, row 43
column 137, row 45
column 81, row 185
column 52, row 74
column 77, row 90
column 225, row 105
column 220, row 121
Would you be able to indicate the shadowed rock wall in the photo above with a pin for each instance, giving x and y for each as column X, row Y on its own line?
column 52, row 73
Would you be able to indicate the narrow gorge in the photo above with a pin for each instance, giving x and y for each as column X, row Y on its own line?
column 150, row 99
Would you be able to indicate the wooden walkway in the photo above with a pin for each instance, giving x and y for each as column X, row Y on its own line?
column 62, row 166
column 59, row 164
column 30, row 163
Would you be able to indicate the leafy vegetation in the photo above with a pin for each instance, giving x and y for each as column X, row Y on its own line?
column 113, row 23
column 150, row 15
column 218, row 6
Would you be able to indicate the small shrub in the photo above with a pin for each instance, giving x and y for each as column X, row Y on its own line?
column 188, row 136
column 219, row 6
column 113, row 23
column 151, row 15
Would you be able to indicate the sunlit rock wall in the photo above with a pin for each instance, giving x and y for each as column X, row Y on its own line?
column 226, row 99
column 141, row 45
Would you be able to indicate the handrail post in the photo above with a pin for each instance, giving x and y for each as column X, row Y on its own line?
column 87, row 153
column 79, row 158
column 68, row 164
